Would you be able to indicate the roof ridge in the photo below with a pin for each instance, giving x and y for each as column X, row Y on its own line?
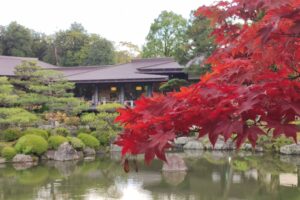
column 155, row 65
column 152, row 59
column 19, row 58
column 93, row 70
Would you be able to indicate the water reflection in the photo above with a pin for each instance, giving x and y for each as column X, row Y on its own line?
column 210, row 175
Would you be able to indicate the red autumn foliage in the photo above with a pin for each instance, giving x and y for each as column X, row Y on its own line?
column 255, row 78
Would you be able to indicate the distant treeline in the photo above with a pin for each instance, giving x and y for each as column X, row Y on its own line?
column 71, row 47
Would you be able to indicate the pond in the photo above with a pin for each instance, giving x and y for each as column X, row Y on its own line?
column 211, row 176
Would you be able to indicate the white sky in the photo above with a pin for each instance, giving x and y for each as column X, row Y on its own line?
column 116, row 20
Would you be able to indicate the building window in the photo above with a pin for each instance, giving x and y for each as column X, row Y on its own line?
column 113, row 89
column 138, row 88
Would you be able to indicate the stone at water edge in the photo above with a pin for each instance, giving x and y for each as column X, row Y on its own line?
column 290, row 149
column 175, row 163
column 194, row 144
column 2, row 160
column 182, row 140
column 22, row 158
column 65, row 152
column 87, row 151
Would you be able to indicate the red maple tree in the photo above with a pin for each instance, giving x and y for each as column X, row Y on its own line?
column 255, row 78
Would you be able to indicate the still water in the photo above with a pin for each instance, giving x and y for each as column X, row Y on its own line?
column 211, row 176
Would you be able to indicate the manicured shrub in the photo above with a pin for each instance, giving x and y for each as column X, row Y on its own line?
column 32, row 144
column 83, row 130
column 56, row 140
column 109, row 107
column 76, row 143
column 104, row 138
column 8, row 152
column 89, row 140
column 11, row 134
column 60, row 131
column 36, row 131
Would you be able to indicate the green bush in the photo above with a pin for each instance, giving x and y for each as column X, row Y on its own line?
column 89, row 140
column 109, row 107
column 32, row 144
column 11, row 134
column 56, row 140
column 36, row 131
column 8, row 152
column 83, row 130
column 61, row 131
column 76, row 143
column 104, row 137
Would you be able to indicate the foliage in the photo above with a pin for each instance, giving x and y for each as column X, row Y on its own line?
column 173, row 85
column 56, row 140
column 10, row 117
column 8, row 152
column 31, row 144
column 74, row 47
column 98, row 51
column 274, row 144
column 44, row 90
column 7, row 98
column 61, row 131
column 104, row 138
column 109, row 107
column 105, row 129
column 167, row 37
column 76, row 143
column 126, row 51
column 89, row 140
column 10, row 134
column 36, row 131
column 255, row 76
column 199, row 33
column 16, row 40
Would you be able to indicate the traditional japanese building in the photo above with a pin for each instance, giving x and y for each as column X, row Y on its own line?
column 122, row 83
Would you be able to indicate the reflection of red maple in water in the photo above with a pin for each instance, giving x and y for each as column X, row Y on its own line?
column 255, row 77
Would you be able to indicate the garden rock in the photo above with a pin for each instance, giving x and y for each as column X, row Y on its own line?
column 22, row 158
column 175, row 163
column 194, row 144
column 221, row 145
column 290, row 149
column 2, row 160
column 89, row 151
column 182, row 140
column 65, row 152
column 49, row 155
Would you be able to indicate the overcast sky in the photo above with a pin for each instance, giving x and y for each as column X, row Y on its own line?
column 116, row 20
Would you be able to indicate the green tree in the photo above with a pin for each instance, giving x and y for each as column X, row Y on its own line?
column 74, row 47
column 98, row 51
column 67, row 45
column 44, row 90
column 126, row 51
column 40, row 44
column 167, row 37
column 201, row 45
column 10, row 115
column 16, row 40
column 7, row 97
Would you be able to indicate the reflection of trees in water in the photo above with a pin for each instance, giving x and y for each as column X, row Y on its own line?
column 211, row 175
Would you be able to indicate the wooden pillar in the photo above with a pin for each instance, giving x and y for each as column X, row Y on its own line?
column 96, row 95
column 149, row 90
column 122, row 94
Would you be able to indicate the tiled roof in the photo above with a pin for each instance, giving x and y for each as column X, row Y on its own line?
column 8, row 64
column 137, row 70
